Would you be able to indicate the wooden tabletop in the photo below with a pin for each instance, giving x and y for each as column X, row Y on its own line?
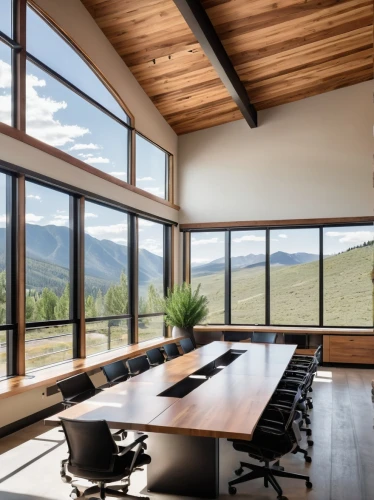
column 227, row 405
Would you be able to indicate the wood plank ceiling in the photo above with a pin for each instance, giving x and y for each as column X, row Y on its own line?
column 282, row 50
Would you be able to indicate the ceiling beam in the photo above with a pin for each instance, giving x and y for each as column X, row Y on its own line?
column 202, row 27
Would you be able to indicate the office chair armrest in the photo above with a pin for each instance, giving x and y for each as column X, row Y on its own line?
column 128, row 448
column 267, row 429
column 296, row 373
column 288, row 392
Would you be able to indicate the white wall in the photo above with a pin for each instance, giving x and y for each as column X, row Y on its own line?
column 308, row 159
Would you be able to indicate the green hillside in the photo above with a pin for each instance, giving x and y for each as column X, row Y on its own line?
column 294, row 298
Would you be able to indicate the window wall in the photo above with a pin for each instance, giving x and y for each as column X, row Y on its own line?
column 290, row 276
column 152, row 165
column 49, row 332
column 248, row 283
column 294, row 276
column 7, row 51
column 106, row 278
column 151, row 279
column 7, row 275
column 347, row 270
column 208, row 270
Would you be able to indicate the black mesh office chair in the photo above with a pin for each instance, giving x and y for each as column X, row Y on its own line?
column 116, row 372
column 94, row 456
column 76, row 389
column 273, row 438
column 264, row 338
column 171, row 351
column 155, row 357
column 186, row 345
column 138, row 365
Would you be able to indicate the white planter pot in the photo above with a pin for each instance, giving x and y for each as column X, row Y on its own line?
column 183, row 332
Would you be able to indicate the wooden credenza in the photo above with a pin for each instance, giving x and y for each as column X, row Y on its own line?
column 348, row 349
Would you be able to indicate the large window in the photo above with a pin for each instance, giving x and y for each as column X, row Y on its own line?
column 248, row 259
column 294, row 277
column 48, row 276
column 151, row 279
column 208, row 270
column 67, row 106
column 7, row 276
column 6, row 52
column 290, row 276
column 347, row 266
column 6, row 17
column 152, row 164
column 106, row 278
column 3, row 288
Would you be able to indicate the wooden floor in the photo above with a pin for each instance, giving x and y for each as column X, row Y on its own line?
column 343, row 455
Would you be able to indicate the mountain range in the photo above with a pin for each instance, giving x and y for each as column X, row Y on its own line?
column 48, row 259
column 254, row 260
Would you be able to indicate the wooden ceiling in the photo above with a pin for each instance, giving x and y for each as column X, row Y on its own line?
column 282, row 50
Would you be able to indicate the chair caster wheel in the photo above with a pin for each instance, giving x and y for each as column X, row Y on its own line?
column 75, row 493
column 310, row 406
column 66, row 479
column 232, row 490
column 308, row 459
column 310, row 442
column 309, row 432
column 309, row 485
column 307, row 421
column 239, row 472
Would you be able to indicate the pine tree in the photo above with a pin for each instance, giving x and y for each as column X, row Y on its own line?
column 116, row 298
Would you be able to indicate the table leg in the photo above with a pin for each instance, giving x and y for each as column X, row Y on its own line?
column 183, row 465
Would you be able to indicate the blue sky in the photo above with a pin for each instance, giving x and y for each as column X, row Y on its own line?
column 5, row 16
column 59, row 117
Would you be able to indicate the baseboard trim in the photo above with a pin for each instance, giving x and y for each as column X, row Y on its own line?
column 30, row 419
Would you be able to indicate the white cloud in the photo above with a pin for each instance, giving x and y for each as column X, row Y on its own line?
column 249, row 237
column 41, row 122
column 61, row 217
column 85, row 155
column 40, row 111
column 145, row 223
column 151, row 245
column 79, row 147
column 118, row 174
column 352, row 237
column 90, row 215
column 96, row 159
column 209, row 241
column 61, row 211
column 141, row 179
column 200, row 261
column 59, row 222
column 110, row 232
column 32, row 218
column 34, row 197
column 120, row 241
column 284, row 236
column 2, row 220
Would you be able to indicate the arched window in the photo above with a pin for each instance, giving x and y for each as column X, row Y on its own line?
column 67, row 104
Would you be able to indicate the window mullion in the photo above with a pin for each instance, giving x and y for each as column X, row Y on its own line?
column 19, row 66
column 21, row 275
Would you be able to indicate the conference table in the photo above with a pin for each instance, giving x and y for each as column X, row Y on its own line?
column 187, row 405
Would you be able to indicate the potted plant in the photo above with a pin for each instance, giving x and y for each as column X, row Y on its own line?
column 184, row 309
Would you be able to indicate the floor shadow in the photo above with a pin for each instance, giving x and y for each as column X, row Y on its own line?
column 7, row 495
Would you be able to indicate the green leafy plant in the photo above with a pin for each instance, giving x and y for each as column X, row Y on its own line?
column 185, row 308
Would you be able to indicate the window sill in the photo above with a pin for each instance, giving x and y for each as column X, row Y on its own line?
column 297, row 330
column 49, row 375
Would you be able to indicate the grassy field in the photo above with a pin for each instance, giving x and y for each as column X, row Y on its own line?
column 294, row 296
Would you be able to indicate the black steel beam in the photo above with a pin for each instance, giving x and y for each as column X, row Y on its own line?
column 203, row 29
